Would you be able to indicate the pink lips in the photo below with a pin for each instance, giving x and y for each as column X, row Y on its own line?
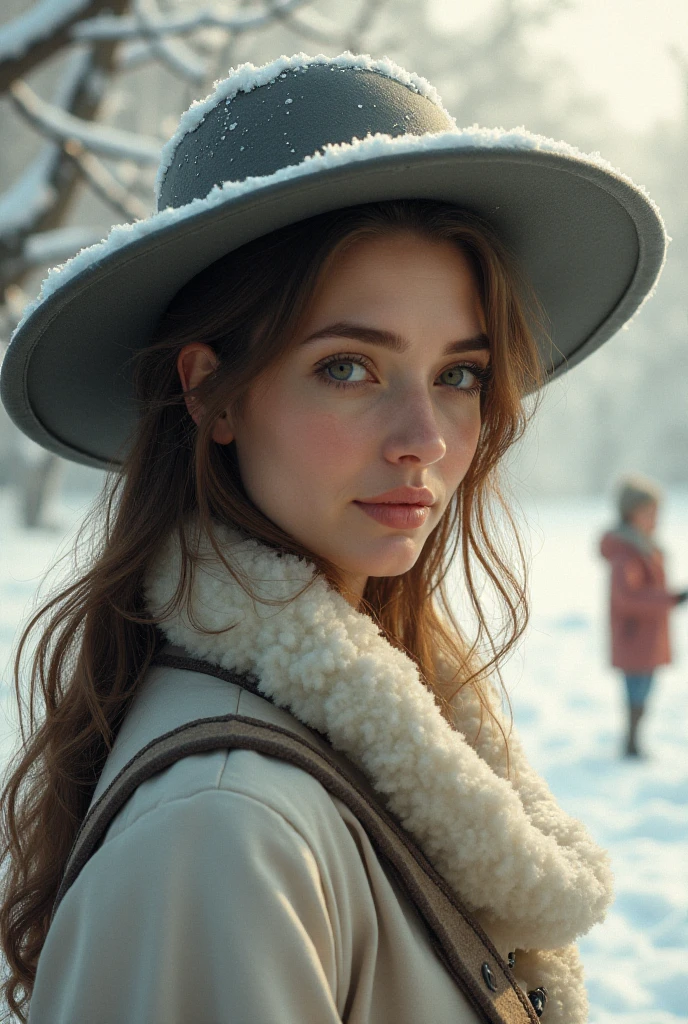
column 402, row 496
column 405, row 508
column 403, row 516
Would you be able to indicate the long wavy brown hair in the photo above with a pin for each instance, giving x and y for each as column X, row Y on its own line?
column 94, row 640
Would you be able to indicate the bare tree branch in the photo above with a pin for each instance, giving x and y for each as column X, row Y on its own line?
column 45, row 249
column 133, row 55
column 303, row 26
column 37, row 25
column 214, row 46
column 41, row 199
column 104, row 184
column 51, row 247
column 175, row 54
column 33, row 196
column 61, row 126
column 513, row 19
column 122, row 28
column 142, row 51
column 315, row 27
column 369, row 11
column 33, row 37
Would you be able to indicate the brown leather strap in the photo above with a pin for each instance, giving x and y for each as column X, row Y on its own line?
column 466, row 951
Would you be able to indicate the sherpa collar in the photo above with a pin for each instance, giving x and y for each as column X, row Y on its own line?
column 532, row 874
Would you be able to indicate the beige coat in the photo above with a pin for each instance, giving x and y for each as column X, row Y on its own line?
column 233, row 889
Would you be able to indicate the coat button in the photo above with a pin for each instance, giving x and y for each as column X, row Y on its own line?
column 489, row 977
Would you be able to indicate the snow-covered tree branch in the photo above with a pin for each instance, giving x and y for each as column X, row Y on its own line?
column 43, row 21
column 312, row 25
column 309, row 24
column 42, row 31
column 51, row 247
column 175, row 54
column 129, row 27
column 104, row 184
column 62, row 126
column 38, row 198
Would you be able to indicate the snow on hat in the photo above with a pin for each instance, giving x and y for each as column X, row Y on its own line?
column 299, row 137
column 635, row 490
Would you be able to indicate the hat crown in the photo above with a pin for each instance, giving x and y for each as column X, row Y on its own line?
column 297, row 113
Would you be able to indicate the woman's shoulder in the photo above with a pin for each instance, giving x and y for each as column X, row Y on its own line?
column 240, row 783
column 221, row 851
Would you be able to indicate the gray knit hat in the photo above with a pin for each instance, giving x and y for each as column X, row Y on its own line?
column 635, row 490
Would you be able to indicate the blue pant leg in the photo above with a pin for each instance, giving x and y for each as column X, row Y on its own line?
column 638, row 685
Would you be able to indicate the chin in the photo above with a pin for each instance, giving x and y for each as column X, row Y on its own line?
column 392, row 562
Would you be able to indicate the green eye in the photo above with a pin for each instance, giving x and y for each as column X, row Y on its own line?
column 337, row 371
column 463, row 376
column 340, row 367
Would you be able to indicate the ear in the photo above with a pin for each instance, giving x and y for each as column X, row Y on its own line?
column 195, row 362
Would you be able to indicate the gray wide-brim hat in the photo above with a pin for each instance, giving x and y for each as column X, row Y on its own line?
column 298, row 137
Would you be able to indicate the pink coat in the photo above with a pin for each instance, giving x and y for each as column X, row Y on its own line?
column 639, row 605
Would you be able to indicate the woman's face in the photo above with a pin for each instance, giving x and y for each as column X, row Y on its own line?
column 369, row 399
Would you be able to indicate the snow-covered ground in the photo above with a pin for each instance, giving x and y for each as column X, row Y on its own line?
column 569, row 710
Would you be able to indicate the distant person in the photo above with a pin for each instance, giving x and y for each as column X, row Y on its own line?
column 640, row 601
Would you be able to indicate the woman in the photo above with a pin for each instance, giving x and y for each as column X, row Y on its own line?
column 639, row 600
column 307, row 366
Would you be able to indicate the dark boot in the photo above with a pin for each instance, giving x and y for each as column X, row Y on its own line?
column 634, row 716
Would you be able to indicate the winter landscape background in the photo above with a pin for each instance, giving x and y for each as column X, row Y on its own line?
column 608, row 76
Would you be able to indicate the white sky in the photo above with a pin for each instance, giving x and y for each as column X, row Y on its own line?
column 618, row 47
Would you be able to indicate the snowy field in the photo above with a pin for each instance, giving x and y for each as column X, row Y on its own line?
column 568, row 708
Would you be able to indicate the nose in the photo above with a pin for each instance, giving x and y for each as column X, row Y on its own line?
column 413, row 430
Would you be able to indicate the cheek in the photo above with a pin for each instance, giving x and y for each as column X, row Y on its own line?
column 330, row 441
column 310, row 443
column 468, row 428
column 465, row 439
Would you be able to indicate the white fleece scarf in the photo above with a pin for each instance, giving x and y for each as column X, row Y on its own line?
column 532, row 874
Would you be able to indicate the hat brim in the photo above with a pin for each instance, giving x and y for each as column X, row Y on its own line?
column 590, row 243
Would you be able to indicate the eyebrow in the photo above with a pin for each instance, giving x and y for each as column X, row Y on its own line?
column 390, row 340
